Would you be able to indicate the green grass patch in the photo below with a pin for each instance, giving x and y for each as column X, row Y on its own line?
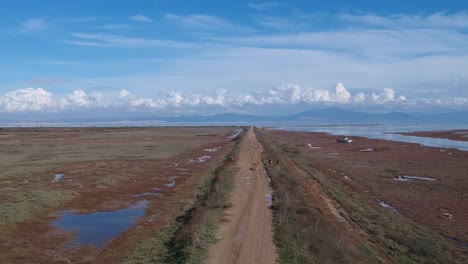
column 29, row 204
column 30, row 158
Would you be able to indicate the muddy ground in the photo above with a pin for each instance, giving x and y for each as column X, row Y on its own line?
column 459, row 135
column 104, row 169
column 425, row 185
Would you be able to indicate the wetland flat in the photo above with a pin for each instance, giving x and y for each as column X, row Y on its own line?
column 57, row 183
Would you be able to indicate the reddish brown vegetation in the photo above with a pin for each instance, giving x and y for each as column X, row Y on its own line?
column 36, row 241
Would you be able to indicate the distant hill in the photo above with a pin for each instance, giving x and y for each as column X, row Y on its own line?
column 316, row 116
column 329, row 115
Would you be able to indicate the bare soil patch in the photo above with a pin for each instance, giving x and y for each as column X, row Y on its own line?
column 247, row 234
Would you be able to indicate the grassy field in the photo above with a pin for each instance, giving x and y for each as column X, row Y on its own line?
column 30, row 151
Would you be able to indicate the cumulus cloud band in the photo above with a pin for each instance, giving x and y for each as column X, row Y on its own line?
column 40, row 100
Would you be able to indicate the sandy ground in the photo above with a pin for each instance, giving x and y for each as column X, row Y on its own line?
column 247, row 235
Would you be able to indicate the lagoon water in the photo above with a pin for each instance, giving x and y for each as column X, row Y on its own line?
column 386, row 132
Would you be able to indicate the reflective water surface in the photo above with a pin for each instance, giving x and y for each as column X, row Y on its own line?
column 97, row 228
column 387, row 132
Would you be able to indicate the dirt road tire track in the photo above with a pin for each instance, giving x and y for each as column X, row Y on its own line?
column 247, row 235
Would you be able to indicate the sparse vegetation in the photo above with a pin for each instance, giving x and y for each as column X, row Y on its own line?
column 31, row 203
column 187, row 239
column 104, row 169
column 301, row 234
column 303, row 237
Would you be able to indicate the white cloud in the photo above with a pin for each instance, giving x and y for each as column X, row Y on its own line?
column 115, row 26
column 96, row 97
column 296, row 94
column 436, row 20
column 146, row 102
column 141, row 18
column 125, row 94
column 179, row 100
column 265, row 6
column 288, row 95
column 358, row 54
column 80, row 99
column 360, row 97
column 27, row 100
column 218, row 100
column 342, row 95
column 109, row 40
column 460, row 101
column 203, row 22
column 292, row 94
column 34, row 25
column 387, row 95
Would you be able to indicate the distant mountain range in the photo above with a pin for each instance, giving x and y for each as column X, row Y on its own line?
column 322, row 116
column 318, row 116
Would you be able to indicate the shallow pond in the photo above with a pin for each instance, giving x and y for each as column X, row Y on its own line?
column 58, row 176
column 97, row 228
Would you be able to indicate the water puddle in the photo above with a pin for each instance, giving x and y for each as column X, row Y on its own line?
column 200, row 159
column 406, row 178
column 401, row 179
column 269, row 199
column 146, row 194
column 97, row 228
column 236, row 133
column 268, row 176
column 366, row 150
column 212, row 149
column 171, row 184
column 419, row 178
column 385, row 205
column 57, row 177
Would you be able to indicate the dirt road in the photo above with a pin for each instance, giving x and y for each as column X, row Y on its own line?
column 247, row 235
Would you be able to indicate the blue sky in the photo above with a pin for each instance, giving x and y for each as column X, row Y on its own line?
column 270, row 57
